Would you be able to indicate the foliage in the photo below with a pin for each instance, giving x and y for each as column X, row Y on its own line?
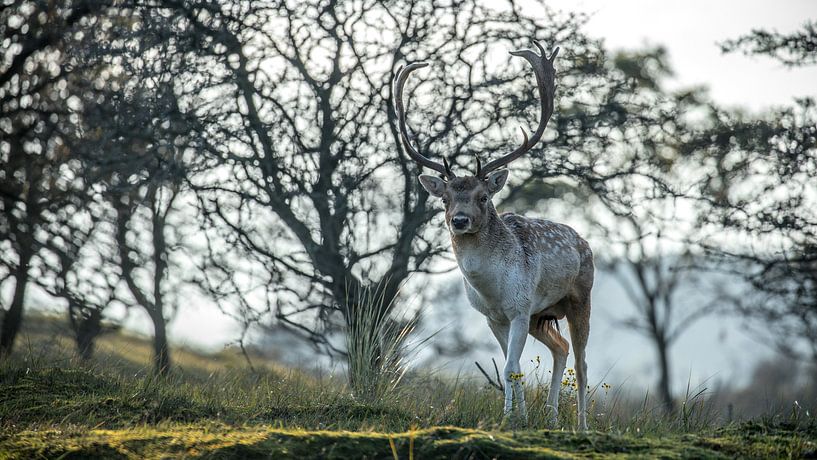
column 762, row 190
column 798, row 48
column 39, row 192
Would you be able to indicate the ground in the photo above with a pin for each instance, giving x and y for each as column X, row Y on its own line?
column 52, row 406
column 224, row 441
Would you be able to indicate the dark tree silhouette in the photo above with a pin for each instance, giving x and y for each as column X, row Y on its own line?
column 794, row 50
column 78, row 272
column 763, row 194
column 764, row 191
column 306, row 179
column 38, row 112
column 139, row 169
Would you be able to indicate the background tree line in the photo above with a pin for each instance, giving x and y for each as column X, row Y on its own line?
column 247, row 151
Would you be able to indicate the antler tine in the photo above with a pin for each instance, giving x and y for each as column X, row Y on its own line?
column 545, row 76
column 447, row 166
column 399, row 110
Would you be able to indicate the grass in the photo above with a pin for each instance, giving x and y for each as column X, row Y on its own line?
column 214, row 407
column 217, row 440
column 377, row 345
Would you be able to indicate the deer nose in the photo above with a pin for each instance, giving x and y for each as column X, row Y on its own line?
column 459, row 222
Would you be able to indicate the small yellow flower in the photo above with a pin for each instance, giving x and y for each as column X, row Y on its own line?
column 516, row 377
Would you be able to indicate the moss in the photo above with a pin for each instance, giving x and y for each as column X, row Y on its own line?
column 764, row 440
column 225, row 441
column 350, row 412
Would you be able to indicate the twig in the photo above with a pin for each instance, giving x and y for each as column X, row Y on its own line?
column 244, row 352
column 496, row 384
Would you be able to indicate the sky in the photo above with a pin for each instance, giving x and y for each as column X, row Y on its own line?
column 690, row 31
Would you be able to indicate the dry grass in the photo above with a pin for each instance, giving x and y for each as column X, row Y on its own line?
column 215, row 406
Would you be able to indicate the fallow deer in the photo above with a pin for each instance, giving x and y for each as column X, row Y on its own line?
column 524, row 274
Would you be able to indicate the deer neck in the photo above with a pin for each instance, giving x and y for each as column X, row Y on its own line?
column 484, row 248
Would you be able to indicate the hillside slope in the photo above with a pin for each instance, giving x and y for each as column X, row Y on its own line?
column 52, row 406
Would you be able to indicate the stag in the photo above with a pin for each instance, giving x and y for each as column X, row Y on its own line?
column 524, row 274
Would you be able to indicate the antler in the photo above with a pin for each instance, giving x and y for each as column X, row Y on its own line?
column 399, row 81
column 545, row 75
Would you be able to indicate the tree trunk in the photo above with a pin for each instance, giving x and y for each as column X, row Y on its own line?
column 86, row 330
column 664, row 391
column 161, row 351
column 14, row 316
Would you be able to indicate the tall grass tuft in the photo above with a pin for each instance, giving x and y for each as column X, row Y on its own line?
column 377, row 343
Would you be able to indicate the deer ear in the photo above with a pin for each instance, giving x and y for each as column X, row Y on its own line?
column 496, row 180
column 433, row 185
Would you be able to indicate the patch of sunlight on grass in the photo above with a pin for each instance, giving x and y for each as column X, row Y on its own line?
column 224, row 441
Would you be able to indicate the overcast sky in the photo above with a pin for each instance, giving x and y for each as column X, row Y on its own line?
column 691, row 30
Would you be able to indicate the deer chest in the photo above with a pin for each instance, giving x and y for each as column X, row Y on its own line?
column 496, row 290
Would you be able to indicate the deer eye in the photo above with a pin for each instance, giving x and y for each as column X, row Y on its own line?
column 445, row 201
column 483, row 199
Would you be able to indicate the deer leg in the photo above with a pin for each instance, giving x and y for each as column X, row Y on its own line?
column 579, row 331
column 514, row 394
column 559, row 347
column 500, row 331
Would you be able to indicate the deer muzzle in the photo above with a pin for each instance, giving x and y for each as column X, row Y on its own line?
column 460, row 223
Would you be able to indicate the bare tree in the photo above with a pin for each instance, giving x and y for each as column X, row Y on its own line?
column 37, row 112
column 78, row 272
column 141, row 158
column 658, row 277
column 137, row 152
column 307, row 180
column 153, row 295
column 763, row 193
column 796, row 49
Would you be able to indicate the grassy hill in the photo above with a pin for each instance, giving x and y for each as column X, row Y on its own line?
column 214, row 406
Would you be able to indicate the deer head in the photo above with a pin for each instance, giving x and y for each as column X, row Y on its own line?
column 467, row 199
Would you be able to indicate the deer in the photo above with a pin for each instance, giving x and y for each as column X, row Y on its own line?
column 523, row 274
